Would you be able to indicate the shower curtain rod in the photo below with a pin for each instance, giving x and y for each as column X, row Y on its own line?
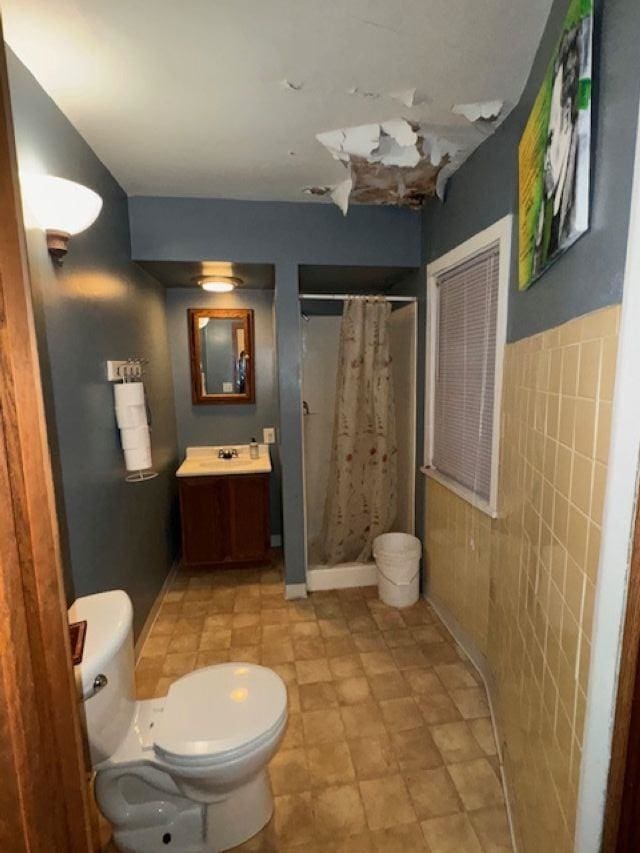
column 340, row 297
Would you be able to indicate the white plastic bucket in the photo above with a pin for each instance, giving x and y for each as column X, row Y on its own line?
column 397, row 557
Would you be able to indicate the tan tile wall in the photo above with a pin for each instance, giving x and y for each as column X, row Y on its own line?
column 523, row 585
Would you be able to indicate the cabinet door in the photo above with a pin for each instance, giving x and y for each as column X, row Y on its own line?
column 249, row 508
column 205, row 520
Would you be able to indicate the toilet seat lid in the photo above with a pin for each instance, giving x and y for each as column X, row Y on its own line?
column 219, row 709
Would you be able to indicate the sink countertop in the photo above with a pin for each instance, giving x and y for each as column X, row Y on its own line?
column 204, row 461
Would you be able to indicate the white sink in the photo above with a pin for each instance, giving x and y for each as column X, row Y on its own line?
column 206, row 461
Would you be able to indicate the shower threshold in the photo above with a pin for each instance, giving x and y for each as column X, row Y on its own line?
column 342, row 576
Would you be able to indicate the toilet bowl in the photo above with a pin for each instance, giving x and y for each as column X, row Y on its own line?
column 187, row 772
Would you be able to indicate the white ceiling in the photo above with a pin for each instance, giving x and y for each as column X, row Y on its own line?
column 186, row 98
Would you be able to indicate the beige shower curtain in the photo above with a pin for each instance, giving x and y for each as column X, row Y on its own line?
column 361, row 495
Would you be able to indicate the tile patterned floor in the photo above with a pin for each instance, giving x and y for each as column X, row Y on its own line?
column 389, row 745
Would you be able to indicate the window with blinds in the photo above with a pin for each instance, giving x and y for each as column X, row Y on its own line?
column 465, row 371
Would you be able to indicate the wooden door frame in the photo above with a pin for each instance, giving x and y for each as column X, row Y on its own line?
column 43, row 789
column 622, row 814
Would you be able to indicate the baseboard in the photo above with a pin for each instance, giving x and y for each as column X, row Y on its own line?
column 153, row 613
column 342, row 576
column 295, row 590
column 479, row 661
column 276, row 540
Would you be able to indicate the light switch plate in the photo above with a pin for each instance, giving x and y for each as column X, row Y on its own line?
column 227, row 387
column 112, row 370
column 269, row 435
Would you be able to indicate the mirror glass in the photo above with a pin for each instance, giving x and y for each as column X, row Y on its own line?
column 222, row 355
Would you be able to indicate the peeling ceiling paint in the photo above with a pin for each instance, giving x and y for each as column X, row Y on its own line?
column 208, row 97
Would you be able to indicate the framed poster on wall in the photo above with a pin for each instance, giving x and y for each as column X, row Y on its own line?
column 554, row 155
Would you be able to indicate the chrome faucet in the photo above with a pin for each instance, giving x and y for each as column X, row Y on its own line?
column 227, row 454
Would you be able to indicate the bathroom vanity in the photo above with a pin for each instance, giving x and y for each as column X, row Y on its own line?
column 224, row 506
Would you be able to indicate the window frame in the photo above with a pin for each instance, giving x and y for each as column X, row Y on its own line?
column 501, row 233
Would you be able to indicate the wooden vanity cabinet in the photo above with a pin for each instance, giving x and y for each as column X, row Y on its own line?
column 225, row 519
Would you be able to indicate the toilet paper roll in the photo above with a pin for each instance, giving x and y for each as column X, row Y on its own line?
column 131, row 416
column 134, row 438
column 138, row 459
column 129, row 394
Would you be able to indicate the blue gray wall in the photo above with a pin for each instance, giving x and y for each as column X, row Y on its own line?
column 286, row 235
column 227, row 424
column 99, row 306
column 589, row 275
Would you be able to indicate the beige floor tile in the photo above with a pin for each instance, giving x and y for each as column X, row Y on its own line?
column 286, row 671
column 184, row 643
column 370, row 643
column 407, row 657
column 289, row 772
column 330, row 766
column 439, row 653
column 483, row 732
column 364, row 720
column 308, row 649
column 333, row 628
column 477, row 783
column 215, row 638
column 401, row 715
column 352, row 844
column 456, row 675
column 345, row 666
column 398, row 637
column 362, row 625
column 492, row 828
column 338, row 811
column 471, row 702
column 415, row 750
column 453, row 834
column 311, row 671
column 246, row 654
column 305, row 631
column 423, row 679
column 273, row 616
column 179, row 663
column 373, row 757
column 322, row 727
column 339, row 646
column 432, row 793
column 293, row 818
column 389, row 685
column 164, row 625
column 275, row 634
column 315, row 697
column 277, row 652
column 251, row 635
column 399, row 839
column 377, row 663
column 156, row 644
column 455, row 742
column 388, row 619
column 427, row 634
column 294, row 733
column 242, row 620
column 213, row 657
column 386, row 802
column 437, row 708
column 353, row 691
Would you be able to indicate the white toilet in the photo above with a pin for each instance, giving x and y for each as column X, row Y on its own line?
column 187, row 772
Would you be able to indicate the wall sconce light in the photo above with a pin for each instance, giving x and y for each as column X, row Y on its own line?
column 217, row 283
column 61, row 207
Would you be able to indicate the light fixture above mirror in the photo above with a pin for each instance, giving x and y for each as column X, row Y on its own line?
column 61, row 207
column 217, row 283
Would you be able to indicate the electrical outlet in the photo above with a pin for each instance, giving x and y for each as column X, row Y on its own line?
column 269, row 435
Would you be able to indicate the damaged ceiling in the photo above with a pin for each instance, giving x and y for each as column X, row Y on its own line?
column 356, row 101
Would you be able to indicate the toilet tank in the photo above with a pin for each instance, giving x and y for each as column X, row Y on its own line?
column 105, row 677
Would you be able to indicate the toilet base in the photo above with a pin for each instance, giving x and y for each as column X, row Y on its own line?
column 240, row 816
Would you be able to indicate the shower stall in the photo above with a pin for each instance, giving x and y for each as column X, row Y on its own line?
column 359, row 417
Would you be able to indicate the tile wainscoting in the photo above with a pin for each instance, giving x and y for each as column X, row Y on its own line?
column 522, row 586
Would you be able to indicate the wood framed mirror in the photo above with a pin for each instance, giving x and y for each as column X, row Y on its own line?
column 222, row 356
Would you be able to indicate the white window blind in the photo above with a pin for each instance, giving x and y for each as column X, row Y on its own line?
column 465, row 371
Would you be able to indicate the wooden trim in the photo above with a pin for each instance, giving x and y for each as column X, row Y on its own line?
column 245, row 315
column 44, row 792
column 623, row 794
